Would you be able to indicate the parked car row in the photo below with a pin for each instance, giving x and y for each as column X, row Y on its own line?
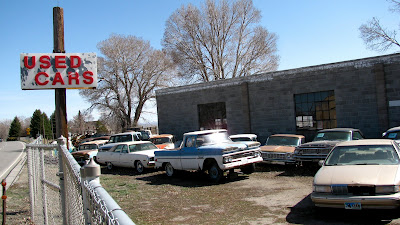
column 355, row 173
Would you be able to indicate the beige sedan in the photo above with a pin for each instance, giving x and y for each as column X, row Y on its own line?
column 359, row 175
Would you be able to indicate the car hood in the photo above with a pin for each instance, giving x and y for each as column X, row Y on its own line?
column 83, row 152
column 277, row 148
column 358, row 174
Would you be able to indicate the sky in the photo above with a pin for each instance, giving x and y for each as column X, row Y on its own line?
column 310, row 32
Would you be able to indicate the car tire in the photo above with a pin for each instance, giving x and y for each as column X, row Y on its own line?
column 169, row 170
column 109, row 165
column 248, row 169
column 214, row 173
column 139, row 167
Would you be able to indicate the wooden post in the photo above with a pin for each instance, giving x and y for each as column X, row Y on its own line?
column 60, row 93
column 4, row 197
column 60, row 99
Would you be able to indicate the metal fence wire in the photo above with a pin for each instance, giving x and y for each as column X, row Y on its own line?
column 63, row 192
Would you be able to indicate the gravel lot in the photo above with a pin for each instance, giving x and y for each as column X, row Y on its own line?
column 274, row 194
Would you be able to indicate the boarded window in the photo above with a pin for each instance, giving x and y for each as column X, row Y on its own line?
column 212, row 116
column 315, row 110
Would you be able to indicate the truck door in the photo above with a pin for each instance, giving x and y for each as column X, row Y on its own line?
column 189, row 154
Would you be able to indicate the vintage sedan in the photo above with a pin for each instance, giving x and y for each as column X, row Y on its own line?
column 135, row 154
column 280, row 147
column 163, row 141
column 87, row 150
column 359, row 174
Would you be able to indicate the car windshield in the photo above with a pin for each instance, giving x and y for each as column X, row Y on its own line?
column 363, row 155
column 392, row 135
column 213, row 138
column 282, row 141
column 158, row 141
column 333, row 136
column 87, row 147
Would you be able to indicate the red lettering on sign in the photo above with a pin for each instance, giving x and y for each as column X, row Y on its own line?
column 78, row 63
column 60, row 61
column 26, row 62
column 58, row 79
column 45, row 60
column 88, row 75
column 37, row 78
column 73, row 76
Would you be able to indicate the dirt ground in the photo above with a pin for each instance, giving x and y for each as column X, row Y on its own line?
column 274, row 194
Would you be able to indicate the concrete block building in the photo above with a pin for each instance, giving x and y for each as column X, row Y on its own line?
column 363, row 94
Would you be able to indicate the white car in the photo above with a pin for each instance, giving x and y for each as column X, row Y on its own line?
column 136, row 154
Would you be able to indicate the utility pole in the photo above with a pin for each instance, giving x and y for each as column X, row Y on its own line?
column 60, row 99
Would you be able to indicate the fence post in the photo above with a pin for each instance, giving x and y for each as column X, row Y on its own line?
column 62, row 141
column 89, row 172
column 43, row 185
column 30, row 181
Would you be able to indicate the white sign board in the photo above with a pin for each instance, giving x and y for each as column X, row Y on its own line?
column 58, row 70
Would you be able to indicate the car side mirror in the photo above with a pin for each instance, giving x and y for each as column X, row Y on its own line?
column 321, row 162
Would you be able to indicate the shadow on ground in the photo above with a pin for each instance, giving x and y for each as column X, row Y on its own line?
column 305, row 212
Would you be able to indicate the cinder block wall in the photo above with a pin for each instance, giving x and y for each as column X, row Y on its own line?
column 264, row 104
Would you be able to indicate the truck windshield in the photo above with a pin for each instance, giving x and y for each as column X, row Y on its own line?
column 283, row 141
column 213, row 138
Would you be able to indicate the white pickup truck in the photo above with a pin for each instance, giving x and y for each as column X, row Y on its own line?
column 210, row 151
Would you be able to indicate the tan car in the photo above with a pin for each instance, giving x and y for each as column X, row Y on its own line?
column 360, row 174
column 88, row 150
column 163, row 141
column 280, row 148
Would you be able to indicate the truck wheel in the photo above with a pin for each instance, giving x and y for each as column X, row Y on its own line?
column 215, row 173
column 109, row 165
column 169, row 170
column 248, row 169
column 139, row 167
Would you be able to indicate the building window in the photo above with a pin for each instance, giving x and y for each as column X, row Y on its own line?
column 315, row 110
column 212, row 116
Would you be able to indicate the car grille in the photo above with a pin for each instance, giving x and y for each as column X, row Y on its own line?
column 268, row 155
column 354, row 190
column 314, row 150
column 243, row 155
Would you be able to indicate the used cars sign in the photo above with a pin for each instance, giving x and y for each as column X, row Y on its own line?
column 58, row 70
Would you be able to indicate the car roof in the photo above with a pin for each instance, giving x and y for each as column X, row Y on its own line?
column 339, row 129
column 242, row 135
column 161, row 136
column 367, row 142
column 133, row 142
column 95, row 142
column 393, row 129
column 128, row 132
column 288, row 135
column 205, row 132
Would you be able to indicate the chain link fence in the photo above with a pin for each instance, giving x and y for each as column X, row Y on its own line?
column 63, row 192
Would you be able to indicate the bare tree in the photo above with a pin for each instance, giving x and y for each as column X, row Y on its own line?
column 129, row 73
column 220, row 40
column 377, row 37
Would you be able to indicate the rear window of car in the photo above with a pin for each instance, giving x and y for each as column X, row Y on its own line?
column 392, row 135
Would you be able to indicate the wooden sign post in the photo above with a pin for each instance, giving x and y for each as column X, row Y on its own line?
column 60, row 93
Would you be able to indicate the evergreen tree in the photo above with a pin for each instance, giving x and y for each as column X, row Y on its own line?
column 46, row 126
column 36, row 123
column 101, row 128
column 15, row 130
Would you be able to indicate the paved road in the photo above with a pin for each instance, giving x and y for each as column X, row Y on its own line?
column 10, row 154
